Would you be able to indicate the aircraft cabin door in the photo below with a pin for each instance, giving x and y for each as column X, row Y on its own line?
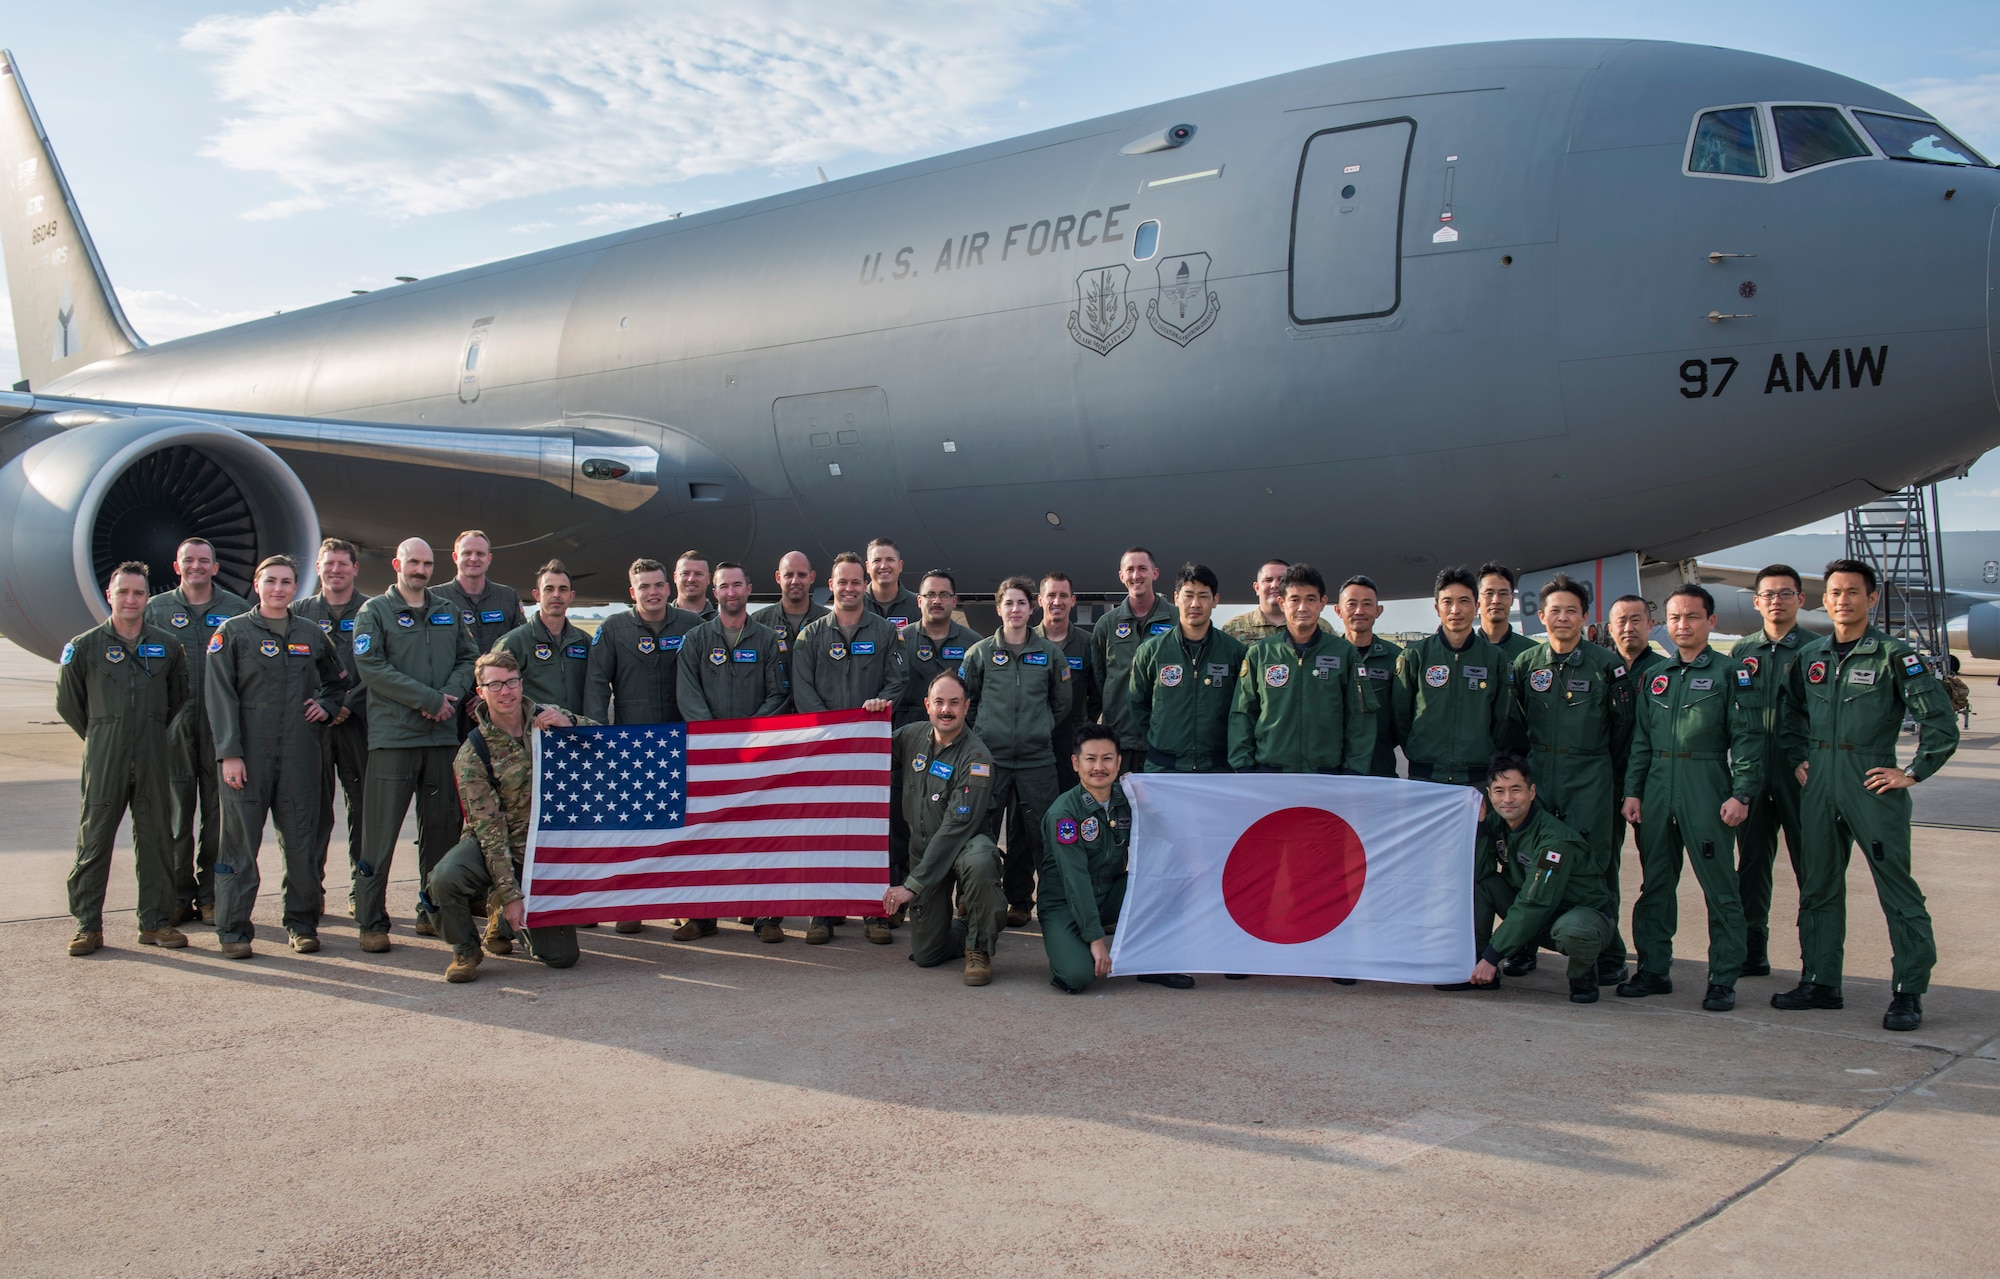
column 1347, row 222
column 840, row 458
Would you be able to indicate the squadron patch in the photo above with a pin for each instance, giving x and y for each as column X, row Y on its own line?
column 1542, row 681
column 69, row 653
column 178, row 619
column 1437, row 676
column 1170, row 676
column 1065, row 831
column 1751, row 664
column 362, row 643
column 215, row 644
column 1277, row 675
column 1816, row 673
column 1660, row 683
column 1089, row 828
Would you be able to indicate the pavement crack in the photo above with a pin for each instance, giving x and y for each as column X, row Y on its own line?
column 1745, row 1191
column 32, row 1075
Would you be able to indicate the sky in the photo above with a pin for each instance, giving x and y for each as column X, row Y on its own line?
column 232, row 162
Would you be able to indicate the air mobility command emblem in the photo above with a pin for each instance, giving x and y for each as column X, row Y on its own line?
column 69, row 653
column 1103, row 318
column 1185, row 309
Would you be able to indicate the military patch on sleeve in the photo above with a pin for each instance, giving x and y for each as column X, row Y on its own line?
column 1065, row 831
column 215, row 642
column 362, row 643
column 1553, row 857
column 1912, row 664
column 982, row 770
column 1617, row 672
column 69, row 653
column 1745, row 677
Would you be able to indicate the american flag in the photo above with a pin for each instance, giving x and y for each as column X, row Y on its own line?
column 785, row 815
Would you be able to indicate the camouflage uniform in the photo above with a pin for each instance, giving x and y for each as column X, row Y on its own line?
column 1253, row 626
column 486, row 861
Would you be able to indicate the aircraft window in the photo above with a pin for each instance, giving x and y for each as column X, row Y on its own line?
column 1809, row 136
column 1728, row 142
column 1904, row 139
column 1145, row 241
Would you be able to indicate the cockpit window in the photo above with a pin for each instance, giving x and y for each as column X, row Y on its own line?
column 1904, row 139
column 1728, row 142
column 1809, row 136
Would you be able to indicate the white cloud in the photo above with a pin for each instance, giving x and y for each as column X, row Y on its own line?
column 426, row 106
column 1969, row 107
column 621, row 213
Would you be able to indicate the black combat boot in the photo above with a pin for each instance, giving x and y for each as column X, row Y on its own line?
column 1808, row 994
column 1644, row 983
column 1720, row 999
column 1906, row 1012
column 1757, row 957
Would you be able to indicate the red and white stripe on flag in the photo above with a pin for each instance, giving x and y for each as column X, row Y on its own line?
column 784, row 815
column 1298, row 875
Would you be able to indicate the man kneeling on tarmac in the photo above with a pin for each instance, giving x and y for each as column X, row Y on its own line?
column 943, row 777
column 1543, row 878
column 1086, row 841
column 496, row 784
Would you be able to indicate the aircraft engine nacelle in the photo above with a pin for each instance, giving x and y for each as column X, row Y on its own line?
column 131, row 488
column 1982, row 630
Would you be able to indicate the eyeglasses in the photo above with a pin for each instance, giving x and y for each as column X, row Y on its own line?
column 1496, row 595
column 1772, row 597
column 937, row 595
column 498, row 685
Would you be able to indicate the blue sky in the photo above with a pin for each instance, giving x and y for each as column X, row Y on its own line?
column 236, row 161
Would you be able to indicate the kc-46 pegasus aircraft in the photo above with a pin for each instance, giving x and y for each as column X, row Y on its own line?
column 1546, row 302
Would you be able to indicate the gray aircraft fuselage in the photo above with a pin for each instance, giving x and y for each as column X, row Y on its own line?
column 968, row 354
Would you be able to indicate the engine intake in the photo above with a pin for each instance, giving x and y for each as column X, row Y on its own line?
column 81, row 501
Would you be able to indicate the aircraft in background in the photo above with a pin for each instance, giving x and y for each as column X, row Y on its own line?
column 1536, row 301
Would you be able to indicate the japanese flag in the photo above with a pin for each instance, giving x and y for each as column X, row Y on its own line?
column 1298, row 875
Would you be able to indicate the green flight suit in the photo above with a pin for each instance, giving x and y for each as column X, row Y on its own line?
column 902, row 612
column 1842, row 716
column 943, row 792
column 926, row 658
column 1086, row 701
column 411, row 656
column 835, row 670
column 1697, row 740
column 343, row 746
column 1084, row 863
column 1377, row 669
column 1512, row 644
column 1114, row 643
column 788, row 626
column 1178, row 699
column 1014, row 699
column 261, row 672
column 1639, row 672
column 729, row 677
column 487, row 860
column 1452, row 707
column 193, row 774
column 1775, row 806
column 124, row 698
column 1301, row 710
column 634, row 671
column 555, row 669
column 488, row 615
column 1549, row 884
column 1575, row 712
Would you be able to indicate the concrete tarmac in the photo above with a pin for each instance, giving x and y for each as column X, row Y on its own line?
column 728, row 1106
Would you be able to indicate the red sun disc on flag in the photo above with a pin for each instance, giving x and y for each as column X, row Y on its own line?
column 1294, row 875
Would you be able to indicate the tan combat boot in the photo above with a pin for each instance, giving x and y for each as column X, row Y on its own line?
column 495, row 941
column 375, row 943
column 818, row 934
column 170, row 937
column 86, row 942
column 305, row 945
column 208, row 912
column 236, row 950
column 423, row 927
column 748, row 921
column 463, row 968
column 772, row 933
column 695, row 930
column 630, row 926
column 877, row 931
column 978, row 968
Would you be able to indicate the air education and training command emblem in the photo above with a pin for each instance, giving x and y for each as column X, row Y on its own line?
column 543, row 652
column 717, row 656
column 268, row 648
column 999, row 657
column 1124, row 630
column 646, row 645
column 1185, row 308
column 1437, row 676
column 838, row 652
column 178, row 619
